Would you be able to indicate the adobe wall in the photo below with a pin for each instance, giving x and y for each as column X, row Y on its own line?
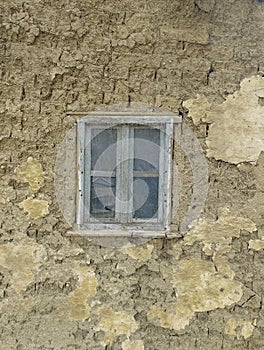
column 202, row 59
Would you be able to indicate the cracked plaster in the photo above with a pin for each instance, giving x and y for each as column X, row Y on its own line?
column 70, row 56
column 236, row 127
column 203, row 285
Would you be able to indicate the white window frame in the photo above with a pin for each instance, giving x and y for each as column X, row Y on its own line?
column 125, row 225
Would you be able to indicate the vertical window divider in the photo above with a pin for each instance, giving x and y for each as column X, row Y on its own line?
column 130, row 174
column 162, row 181
column 119, row 184
column 168, row 177
column 87, row 172
column 80, row 171
column 124, row 176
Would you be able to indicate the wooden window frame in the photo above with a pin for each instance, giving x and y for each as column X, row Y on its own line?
column 125, row 124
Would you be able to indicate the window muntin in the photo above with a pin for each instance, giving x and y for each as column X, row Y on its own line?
column 124, row 172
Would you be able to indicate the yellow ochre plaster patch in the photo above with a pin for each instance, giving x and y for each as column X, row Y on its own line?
column 114, row 324
column 133, row 345
column 256, row 244
column 77, row 300
column 236, row 131
column 36, row 208
column 216, row 236
column 21, row 259
column 199, row 288
column 32, row 173
column 203, row 285
column 198, row 108
column 142, row 253
column 239, row 328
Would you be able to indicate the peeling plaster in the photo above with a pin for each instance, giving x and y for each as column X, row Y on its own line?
column 22, row 260
column 236, row 133
column 142, row 253
column 114, row 324
column 32, row 173
column 162, row 68
column 252, row 301
column 133, row 345
column 256, row 244
column 78, row 307
column 36, row 208
column 216, row 236
column 198, row 108
column 27, row 261
column 239, row 328
column 199, row 288
column 203, row 285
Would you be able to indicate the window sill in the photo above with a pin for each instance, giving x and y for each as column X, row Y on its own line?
column 89, row 233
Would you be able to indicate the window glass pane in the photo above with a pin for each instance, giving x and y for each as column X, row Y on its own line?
column 145, row 197
column 103, row 149
column 146, row 149
column 102, row 202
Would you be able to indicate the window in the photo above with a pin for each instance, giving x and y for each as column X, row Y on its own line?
column 124, row 173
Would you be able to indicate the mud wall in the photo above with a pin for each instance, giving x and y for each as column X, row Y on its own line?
column 202, row 59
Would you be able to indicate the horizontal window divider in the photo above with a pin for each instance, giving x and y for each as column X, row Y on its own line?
column 95, row 211
column 103, row 173
column 139, row 173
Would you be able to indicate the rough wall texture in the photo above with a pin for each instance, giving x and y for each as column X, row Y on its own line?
column 201, row 292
